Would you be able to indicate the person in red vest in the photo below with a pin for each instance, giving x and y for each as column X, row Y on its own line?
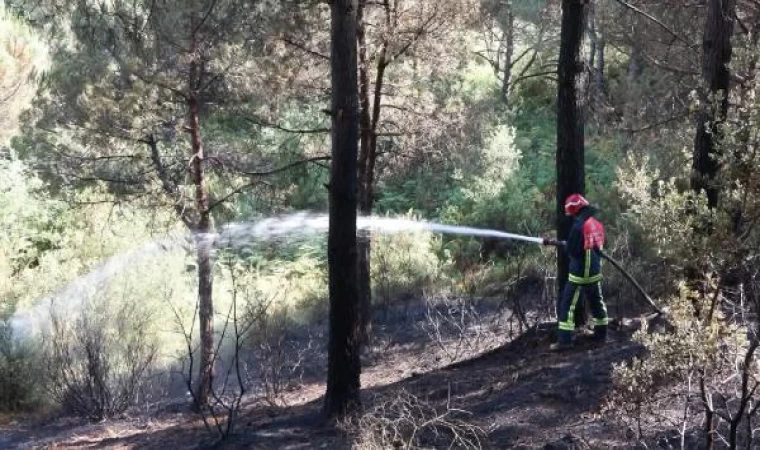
column 583, row 246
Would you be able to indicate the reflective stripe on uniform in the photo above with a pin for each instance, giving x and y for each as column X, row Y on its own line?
column 605, row 321
column 584, row 280
column 569, row 325
column 587, row 265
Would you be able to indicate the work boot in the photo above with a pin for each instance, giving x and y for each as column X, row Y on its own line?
column 564, row 341
column 585, row 332
column 600, row 334
column 561, row 346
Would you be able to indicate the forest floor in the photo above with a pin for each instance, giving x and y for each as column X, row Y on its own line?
column 517, row 392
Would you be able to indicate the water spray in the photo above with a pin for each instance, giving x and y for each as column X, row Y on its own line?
column 387, row 225
column 239, row 235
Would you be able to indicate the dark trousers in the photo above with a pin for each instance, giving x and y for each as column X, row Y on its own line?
column 568, row 306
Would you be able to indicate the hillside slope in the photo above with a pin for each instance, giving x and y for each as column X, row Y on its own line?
column 520, row 394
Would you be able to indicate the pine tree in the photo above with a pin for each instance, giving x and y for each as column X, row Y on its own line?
column 344, row 365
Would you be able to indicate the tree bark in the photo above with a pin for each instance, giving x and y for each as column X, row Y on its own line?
column 634, row 71
column 509, row 32
column 716, row 75
column 570, row 140
column 601, row 84
column 592, row 38
column 344, row 366
column 204, row 245
column 709, row 420
column 203, row 229
column 365, row 131
column 596, row 57
column 635, row 65
column 369, row 118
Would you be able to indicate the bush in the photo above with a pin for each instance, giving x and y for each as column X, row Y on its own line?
column 454, row 326
column 291, row 277
column 403, row 264
column 97, row 364
column 31, row 228
column 20, row 389
column 275, row 353
column 259, row 333
column 690, row 363
column 699, row 372
column 402, row 420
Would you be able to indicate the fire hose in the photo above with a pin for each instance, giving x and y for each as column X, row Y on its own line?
column 618, row 266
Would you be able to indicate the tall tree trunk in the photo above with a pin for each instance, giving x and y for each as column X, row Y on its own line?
column 596, row 59
column 365, row 132
column 368, row 199
column 592, row 38
column 601, row 84
column 709, row 430
column 369, row 118
column 634, row 71
column 204, row 250
column 203, row 229
column 509, row 32
column 570, row 143
column 709, row 420
column 344, row 365
column 635, row 66
column 716, row 75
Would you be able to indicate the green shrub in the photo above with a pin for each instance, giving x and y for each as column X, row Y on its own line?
column 403, row 264
column 686, row 358
column 300, row 284
column 21, row 388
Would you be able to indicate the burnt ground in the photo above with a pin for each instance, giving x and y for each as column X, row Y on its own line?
column 518, row 392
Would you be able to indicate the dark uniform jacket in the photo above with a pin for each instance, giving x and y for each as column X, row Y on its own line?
column 583, row 244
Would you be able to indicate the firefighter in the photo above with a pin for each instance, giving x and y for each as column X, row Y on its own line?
column 583, row 246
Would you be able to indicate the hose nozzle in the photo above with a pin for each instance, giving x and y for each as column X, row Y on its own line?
column 554, row 242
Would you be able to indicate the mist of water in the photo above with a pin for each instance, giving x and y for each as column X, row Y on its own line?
column 26, row 323
column 306, row 223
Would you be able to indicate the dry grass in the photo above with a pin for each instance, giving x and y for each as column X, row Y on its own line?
column 402, row 420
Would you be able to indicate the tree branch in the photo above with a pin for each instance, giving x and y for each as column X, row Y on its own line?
column 491, row 62
column 261, row 123
column 655, row 20
column 534, row 75
column 287, row 166
column 169, row 186
column 415, row 38
column 527, row 67
column 667, row 67
column 304, row 48
column 657, row 124
column 249, row 185
column 205, row 17
column 233, row 193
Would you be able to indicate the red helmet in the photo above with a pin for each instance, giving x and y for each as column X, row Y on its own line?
column 574, row 204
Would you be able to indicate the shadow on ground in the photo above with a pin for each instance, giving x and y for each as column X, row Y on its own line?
column 521, row 394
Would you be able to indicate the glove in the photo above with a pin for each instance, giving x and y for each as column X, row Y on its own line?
column 554, row 242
